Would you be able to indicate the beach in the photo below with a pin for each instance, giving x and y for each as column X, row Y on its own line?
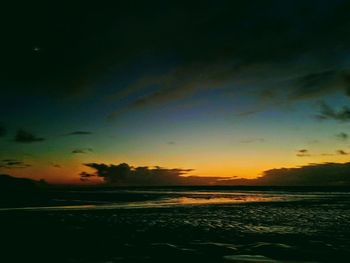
column 175, row 225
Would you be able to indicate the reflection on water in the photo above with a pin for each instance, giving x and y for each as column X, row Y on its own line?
column 168, row 202
column 162, row 198
column 222, row 200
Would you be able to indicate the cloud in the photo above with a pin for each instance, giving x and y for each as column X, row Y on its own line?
column 126, row 175
column 79, row 133
column 327, row 174
column 342, row 152
column 303, row 153
column 328, row 113
column 217, row 44
column 84, row 176
column 342, row 136
column 23, row 136
column 84, row 150
column 304, row 59
column 258, row 80
column 13, row 164
column 55, row 165
column 123, row 174
column 319, row 83
column 324, row 174
column 176, row 84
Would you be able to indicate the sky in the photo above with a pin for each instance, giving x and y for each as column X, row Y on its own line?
column 211, row 88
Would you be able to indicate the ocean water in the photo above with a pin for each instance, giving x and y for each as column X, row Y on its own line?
column 181, row 224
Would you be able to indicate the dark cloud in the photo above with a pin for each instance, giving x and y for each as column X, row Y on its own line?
column 325, row 174
column 272, row 58
column 79, row 133
column 55, row 165
column 342, row 152
column 298, row 45
column 314, row 174
column 203, row 47
column 78, row 151
column 176, row 84
column 188, row 81
column 124, row 174
column 342, row 136
column 23, row 136
column 328, row 113
column 319, row 83
column 303, row 153
column 84, row 150
column 84, row 176
column 13, row 164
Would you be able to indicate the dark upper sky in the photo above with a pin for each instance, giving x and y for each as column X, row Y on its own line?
column 223, row 87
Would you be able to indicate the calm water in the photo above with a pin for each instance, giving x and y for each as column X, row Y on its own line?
column 177, row 225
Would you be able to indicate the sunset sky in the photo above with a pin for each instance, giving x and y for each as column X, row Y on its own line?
column 226, row 88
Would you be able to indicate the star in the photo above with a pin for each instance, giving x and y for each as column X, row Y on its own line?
column 36, row 49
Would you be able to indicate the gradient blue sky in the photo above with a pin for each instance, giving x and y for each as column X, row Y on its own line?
column 227, row 89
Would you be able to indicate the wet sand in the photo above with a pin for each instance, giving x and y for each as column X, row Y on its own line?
column 239, row 227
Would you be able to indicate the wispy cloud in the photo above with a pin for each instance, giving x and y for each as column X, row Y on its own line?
column 23, row 136
column 342, row 152
column 13, row 164
column 55, row 165
column 82, row 150
column 79, row 133
column 328, row 113
column 342, row 136
column 303, row 153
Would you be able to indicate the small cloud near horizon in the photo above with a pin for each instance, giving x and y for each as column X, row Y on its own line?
column 342, row 136
column 13, row 164
column 55, row 165
column 84, row 150
column 303, row 153
column 78, row 133
column 342, row 152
